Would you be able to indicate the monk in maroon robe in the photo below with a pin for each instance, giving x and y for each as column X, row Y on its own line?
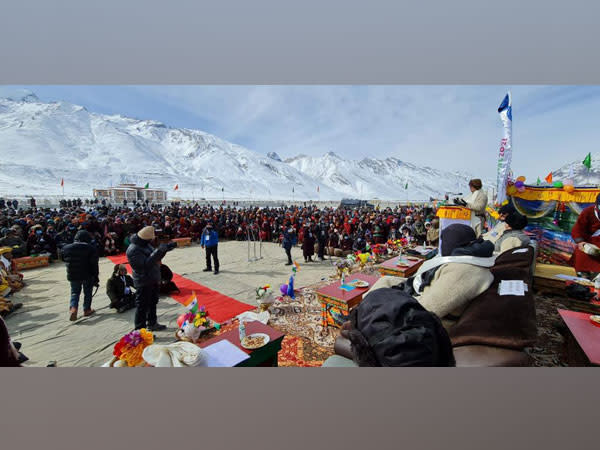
column 587, row 230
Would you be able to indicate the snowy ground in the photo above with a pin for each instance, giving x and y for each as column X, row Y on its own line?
column 42, row 325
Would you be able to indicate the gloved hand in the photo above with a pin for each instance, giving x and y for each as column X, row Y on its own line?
column 171, row 246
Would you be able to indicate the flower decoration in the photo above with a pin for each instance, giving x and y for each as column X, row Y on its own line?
column 130, row 347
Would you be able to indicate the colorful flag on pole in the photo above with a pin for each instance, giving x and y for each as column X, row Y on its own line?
column 505, row 154
column 587, row 162
column 176, row 187
column 147, row 186
column 317, row 188
column 292, row 189
column 406, row 185
column 539, row 181
column 549, row 178
column 62, row 182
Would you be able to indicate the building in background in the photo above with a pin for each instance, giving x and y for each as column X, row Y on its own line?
column 131, row 193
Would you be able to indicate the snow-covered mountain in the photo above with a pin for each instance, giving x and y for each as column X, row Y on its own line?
column 376, row 178
column 42, row 143
column 581, row 175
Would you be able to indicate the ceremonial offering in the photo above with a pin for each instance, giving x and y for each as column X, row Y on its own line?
column 255, row 341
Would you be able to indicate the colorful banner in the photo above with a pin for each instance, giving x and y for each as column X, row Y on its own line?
column 454, row 212
column 505, row 154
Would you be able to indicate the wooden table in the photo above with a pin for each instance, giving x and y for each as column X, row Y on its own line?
column 545, row 281
column 585, row 333
column 30, row 262
column 183, row 242
column 336, row 303
column 264, row 356
column 390, row 267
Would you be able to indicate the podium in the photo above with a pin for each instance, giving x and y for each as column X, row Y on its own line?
column 454, row 214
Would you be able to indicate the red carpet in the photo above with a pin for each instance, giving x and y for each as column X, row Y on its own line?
column 220, row 307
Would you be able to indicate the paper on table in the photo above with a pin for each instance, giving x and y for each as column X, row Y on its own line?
column 224, row 354
column 512, row 287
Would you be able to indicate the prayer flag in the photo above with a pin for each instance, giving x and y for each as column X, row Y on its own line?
column 176, row 187
column 549, row 178
column 587, row 162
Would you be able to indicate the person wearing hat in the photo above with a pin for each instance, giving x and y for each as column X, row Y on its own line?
column 446, row 285
column 81, row 258
column 210, row 241
column 586, row 231
column 513, row 235
column 145, row 260
column 476, row 202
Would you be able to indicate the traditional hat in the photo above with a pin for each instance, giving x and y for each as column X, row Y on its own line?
column 4, row 250
column 146, row 233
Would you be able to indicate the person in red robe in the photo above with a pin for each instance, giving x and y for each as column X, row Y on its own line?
column 587, row 230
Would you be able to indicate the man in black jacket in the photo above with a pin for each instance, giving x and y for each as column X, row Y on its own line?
column 322, row 238
column 82, row 271
column 144, row 260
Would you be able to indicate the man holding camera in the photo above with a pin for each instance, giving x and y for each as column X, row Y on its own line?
column 145, row 260
column 81, row 259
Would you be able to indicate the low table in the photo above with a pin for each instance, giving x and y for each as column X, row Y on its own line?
column 546, row 282
column 31, row 262
column 586, row 334
column 390, row 267
column 183, row 242
column 264, row 356
column 336, row 303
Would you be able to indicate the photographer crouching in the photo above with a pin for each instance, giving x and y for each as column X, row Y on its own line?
column 145, row 260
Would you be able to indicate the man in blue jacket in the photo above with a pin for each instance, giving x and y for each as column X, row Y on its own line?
column 210, row 241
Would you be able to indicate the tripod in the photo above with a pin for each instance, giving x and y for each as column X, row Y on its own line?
column 253, row 240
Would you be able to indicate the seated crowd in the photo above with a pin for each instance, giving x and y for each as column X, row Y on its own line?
column 34, row 231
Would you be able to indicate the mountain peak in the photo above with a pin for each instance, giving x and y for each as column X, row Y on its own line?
column 274, row 156
column 332, row 155
column 18, row 95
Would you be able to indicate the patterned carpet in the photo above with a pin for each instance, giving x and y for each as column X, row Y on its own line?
column 307, row 343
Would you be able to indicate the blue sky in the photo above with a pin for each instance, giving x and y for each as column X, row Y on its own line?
column 446, row 127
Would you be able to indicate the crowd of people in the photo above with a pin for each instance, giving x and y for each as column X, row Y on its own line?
column 33, row 231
